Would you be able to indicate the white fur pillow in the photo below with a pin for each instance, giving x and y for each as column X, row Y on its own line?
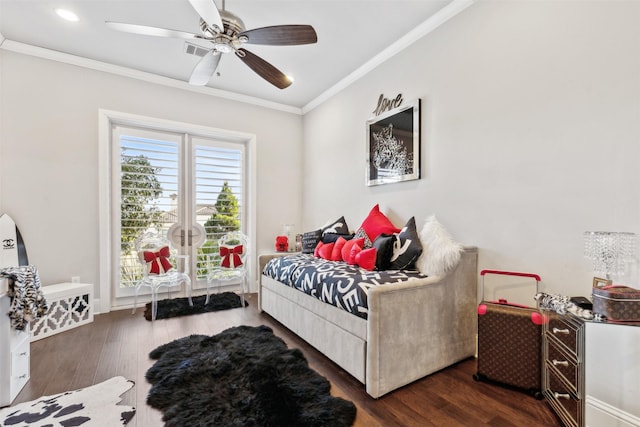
column 440, row 253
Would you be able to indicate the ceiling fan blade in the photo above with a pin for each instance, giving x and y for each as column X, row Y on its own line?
column 204, row 69
column 208, row 12
column 151, row 31
column 264, row 69
column 281, row 35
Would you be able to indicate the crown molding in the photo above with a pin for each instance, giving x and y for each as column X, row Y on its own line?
column 437, row 19
column 26, row 49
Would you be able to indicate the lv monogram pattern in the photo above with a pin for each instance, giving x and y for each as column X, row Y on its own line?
column 510, row 346
column 619, row 304
column 336, row 283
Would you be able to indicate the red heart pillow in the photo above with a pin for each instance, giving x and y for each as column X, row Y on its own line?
column 326, row 250
column 336, row 253
column 346, row 249
column 364, row 258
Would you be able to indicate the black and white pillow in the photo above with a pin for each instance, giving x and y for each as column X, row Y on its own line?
column 407, row 247
column 310, row 240
column 333, row 237
column 338, row 226
column 384, row 250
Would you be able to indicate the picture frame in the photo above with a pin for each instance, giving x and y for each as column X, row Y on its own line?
column 393, row 145
column 599, row 282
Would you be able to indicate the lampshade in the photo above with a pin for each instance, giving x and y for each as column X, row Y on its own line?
column 609, row 251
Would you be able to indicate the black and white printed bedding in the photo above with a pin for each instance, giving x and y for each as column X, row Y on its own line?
column 336, row 283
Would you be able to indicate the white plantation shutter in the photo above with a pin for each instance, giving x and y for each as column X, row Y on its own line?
column 215, row 165
column 147, row 158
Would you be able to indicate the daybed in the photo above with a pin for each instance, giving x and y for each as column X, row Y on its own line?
column 412, row 328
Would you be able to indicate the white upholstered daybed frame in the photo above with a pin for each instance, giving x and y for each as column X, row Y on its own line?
column 413, row 328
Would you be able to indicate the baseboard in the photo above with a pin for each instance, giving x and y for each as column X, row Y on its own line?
column 599, row 413
column 96, row 306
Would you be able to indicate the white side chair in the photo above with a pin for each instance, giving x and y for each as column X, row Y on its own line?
column 161, row 266
column 233, row 251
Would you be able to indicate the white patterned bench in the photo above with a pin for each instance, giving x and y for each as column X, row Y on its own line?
column 70, row 306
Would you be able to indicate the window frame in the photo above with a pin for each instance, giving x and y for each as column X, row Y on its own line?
column 107, row 208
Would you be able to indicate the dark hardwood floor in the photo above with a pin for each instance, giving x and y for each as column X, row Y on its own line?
column 118, row 343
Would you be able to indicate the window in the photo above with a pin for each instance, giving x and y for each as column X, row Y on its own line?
column 189, row 185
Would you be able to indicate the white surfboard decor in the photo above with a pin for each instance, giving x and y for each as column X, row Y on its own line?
column 12, row 250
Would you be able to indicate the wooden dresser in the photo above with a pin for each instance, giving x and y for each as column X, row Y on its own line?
column 14, row 352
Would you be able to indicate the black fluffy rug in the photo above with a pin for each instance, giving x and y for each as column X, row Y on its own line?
column 244, row 376
column 180, row 306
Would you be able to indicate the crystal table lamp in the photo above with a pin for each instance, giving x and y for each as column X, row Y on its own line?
column 609, row 251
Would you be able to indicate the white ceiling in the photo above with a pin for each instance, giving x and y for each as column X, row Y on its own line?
column 350, row 34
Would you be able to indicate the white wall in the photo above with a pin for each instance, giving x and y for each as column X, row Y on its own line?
column 49, row 155
column 531, row 134
column 531, row 131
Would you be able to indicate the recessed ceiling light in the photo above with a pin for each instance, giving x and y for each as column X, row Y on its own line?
column 67, row 15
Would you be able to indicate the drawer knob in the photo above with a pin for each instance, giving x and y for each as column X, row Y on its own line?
column 24, row 353
column 560, row 362
column 561, row 395
column 23, row 376
column 560, row 331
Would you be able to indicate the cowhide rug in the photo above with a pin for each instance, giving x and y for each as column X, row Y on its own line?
column 243, row 376
column 95, row 406
column 180, row 306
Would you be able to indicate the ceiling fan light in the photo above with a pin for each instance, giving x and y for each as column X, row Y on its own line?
column 67, row 15
column 290, row 78
column 223, row 48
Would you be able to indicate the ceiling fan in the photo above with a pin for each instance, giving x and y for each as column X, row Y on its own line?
column 226, row 33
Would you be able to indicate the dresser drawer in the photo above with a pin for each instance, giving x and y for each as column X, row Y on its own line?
column 566, row 333
column 14, row 356
column 567, row 367
column 19, row 367
column 562, row 398
column 16, row 337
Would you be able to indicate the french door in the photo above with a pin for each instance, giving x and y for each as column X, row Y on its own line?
column 190, row 188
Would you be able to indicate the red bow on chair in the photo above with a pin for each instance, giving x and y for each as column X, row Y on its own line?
column 158, row 262
column 231, row 256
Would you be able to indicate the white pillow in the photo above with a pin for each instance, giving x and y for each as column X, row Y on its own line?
column 440, row 253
